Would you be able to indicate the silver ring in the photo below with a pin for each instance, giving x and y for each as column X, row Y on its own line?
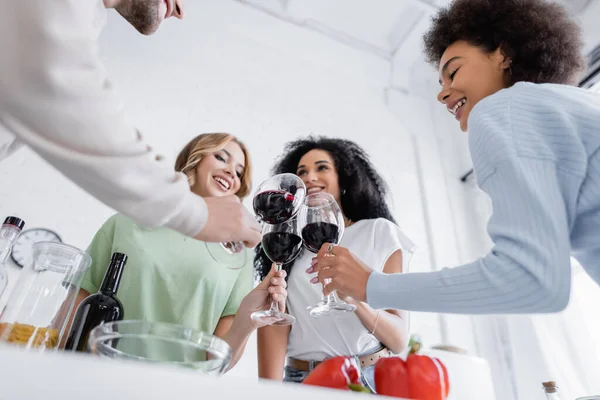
column 330, row 249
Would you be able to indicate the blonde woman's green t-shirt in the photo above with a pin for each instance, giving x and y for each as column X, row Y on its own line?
column 168, row 277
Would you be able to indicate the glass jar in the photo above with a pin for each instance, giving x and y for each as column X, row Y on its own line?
column 9, row 233
column 161, row 343
column 38, row 309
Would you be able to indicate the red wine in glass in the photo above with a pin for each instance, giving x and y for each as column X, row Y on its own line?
column 274, row 206
column 281, row 247
column 279, row 198
column 316, row 234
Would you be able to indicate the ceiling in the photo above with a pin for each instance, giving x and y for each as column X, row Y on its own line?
column 379, row 27
column 390, row 29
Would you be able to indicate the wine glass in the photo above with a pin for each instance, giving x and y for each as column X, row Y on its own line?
column 282, row 244
column 323, row 222
column 231, row 255
column 277, row 200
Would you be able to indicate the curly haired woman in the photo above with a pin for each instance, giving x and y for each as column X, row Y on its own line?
column 342, row 169
column 506, row 70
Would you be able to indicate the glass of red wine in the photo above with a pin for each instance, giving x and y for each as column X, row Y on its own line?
column 278, row 199
column 282, row 244
column 323, row 222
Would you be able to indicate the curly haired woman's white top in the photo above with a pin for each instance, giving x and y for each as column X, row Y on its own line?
column 373, row 241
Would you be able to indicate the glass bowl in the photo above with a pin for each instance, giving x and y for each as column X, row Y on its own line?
column 161, row 343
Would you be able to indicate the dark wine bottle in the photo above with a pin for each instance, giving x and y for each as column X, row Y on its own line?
column 98, row 308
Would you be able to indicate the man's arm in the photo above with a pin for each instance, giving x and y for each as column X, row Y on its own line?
column 56, row 97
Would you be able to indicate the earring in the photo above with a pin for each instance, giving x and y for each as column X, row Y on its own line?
column 509, row 61
column 343, row 192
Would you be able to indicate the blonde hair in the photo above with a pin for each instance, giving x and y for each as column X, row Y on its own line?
column 209, row 143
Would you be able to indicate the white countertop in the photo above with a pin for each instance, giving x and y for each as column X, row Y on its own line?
column 68, row 376
column 73, row 376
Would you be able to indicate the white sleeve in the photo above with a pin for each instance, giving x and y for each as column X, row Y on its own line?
column 389, row 238
column 55, row 96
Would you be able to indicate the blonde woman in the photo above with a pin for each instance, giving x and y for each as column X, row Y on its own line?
column 172, row 278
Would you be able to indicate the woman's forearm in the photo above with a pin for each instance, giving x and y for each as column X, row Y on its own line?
column 272, row 347
column 390, row 329
column 237, row 337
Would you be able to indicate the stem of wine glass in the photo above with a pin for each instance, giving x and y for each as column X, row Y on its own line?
column 331, row 298
column 274, row 305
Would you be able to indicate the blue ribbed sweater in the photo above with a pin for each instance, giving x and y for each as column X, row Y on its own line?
column 535, row 154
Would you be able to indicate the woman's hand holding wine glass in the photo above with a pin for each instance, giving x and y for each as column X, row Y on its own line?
column 276, row 203
column 271, row 289
column 282, row 244
column 344, row 272
column 278, row 200
column 323, row 224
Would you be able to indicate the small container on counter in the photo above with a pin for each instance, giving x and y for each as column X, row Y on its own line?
column 39, row 306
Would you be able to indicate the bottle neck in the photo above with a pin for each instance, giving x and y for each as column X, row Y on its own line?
column 112, row 279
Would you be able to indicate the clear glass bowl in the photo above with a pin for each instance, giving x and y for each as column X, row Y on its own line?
column 161, row 343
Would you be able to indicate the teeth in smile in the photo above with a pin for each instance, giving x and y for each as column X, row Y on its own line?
column 314, row 190
column 223, row 182
column 458, row 105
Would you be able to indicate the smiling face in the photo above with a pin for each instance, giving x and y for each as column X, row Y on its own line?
column 467, row 75
column 147, row 15
column 318, row 172
column 220, row 173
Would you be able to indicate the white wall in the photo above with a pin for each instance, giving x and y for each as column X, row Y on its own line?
column 228, row 68
column 589, row 23
column 443, row 157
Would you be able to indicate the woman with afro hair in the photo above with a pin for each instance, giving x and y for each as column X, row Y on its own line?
column 342, row 169
column 506, row 70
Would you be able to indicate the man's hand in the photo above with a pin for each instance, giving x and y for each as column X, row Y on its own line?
column 229, row 221
column 348, row 274
column 272, row 288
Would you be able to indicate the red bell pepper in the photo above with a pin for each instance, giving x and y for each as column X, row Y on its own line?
column 337, row 372
column 419, row 377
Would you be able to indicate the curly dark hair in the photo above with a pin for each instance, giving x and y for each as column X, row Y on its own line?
column 544, row 43
column 363, row 189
